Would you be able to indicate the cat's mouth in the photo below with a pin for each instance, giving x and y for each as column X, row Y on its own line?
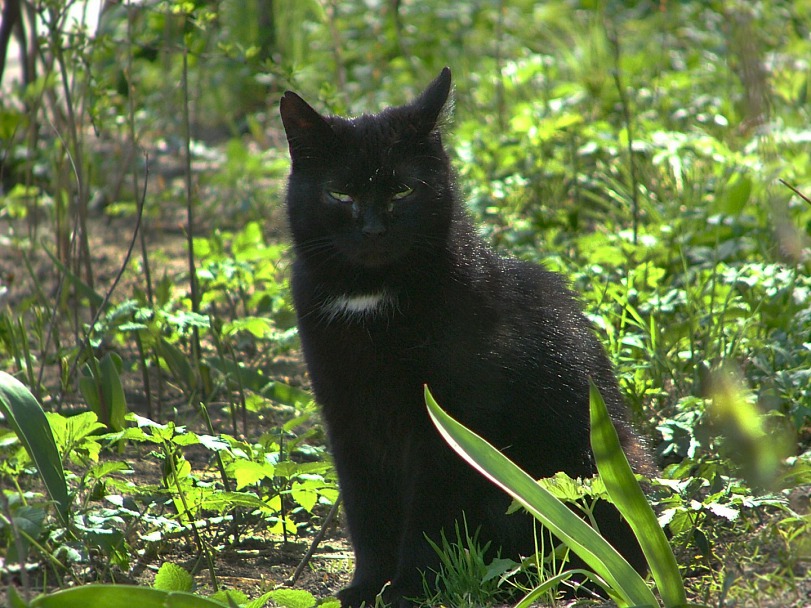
column 374, row 255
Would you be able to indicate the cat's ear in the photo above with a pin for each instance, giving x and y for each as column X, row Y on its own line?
column 433, row 104
column 305, row 128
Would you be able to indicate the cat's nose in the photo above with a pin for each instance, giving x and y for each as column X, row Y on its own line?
column 373, row 230
column 373, row 226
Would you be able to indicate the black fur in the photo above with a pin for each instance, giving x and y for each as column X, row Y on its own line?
column 501, row 343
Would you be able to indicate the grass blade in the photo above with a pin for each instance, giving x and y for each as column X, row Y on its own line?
column 624, row 490
column 28, row 420
column 627, row 587
column 82, row 288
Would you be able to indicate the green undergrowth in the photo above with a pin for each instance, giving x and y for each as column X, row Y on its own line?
column 655, row 153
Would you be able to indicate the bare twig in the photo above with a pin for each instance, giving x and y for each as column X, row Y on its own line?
column 316, row 541
column 795, row 191
column 103, row 306
column 75, row 151
column 141, row 203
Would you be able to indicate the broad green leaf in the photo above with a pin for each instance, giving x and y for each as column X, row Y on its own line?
column 102, row 389
column 733, row 197
column 171, row 577
column 286, row 394
column 624, row 584
column 304, row 495
column 72, row 432
column 224, row 501
column 185, row 438
column 629, row 499
column 108, row 467
column 232, row 597
column 248, row 472
column 734, row 414
column 29, row 422
column 87, row 386
column 259, row 327
column 14, row 599
column 215, row 444
column 122, row 596
column 563, row 487
column 291, row 598
column 178, row 363
column 259, row 383
column 29, row 519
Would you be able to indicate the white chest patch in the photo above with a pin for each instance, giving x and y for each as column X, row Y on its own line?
column 357, row 306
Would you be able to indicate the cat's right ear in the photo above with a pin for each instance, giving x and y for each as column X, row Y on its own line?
column 305, row 128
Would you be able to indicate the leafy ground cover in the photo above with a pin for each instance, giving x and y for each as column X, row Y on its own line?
column 656, row 153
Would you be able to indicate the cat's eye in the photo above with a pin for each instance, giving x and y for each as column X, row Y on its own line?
column 402, row 193
column 340, row 197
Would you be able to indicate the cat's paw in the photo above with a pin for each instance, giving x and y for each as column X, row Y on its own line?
column 359, row 596
column 397, row 596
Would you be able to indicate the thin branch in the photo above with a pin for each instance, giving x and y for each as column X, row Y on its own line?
column 103, row 306
column 795, row 191
column 316, row 541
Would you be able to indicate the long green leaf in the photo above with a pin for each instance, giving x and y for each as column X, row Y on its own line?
column 626, row 586
column 113, row 390
column 260, row 383
column 81, row 287
column 28, row 420
column 122, row 596
column 629, row 499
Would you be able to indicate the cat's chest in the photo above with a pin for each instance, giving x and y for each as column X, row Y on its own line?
column 351, row 308
column 365, row 339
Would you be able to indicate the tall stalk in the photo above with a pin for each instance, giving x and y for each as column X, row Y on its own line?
column 613, row 38
column 193, row 286
column 75, row 149
column 141, row 202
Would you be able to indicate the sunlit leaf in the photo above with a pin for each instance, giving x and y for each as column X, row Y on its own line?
column 28, row 420
column 171, row 577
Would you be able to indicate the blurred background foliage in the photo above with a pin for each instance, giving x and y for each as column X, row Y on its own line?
column 655, row 152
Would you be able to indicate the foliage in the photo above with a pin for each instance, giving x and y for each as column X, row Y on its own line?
column 656, row 153
column 110, row 514
column 611, row 571
column 465, row 578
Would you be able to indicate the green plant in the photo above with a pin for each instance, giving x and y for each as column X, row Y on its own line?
column 109, row 515
column 465, row 577
column 614, row 574
column 28, row 420
column 635, row 147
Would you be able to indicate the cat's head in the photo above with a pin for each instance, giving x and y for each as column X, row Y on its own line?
column 369, row 191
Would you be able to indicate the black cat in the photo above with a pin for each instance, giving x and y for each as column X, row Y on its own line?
column 394, row 290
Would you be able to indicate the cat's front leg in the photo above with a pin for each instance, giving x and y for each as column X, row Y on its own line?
column 445, row 491
column 374, row 520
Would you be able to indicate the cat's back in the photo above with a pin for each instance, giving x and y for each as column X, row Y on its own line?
column 523, row 308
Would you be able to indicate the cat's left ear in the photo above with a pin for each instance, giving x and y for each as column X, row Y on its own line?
column 433, row 104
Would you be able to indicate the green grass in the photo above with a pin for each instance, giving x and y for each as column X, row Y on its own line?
column 655, row 153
